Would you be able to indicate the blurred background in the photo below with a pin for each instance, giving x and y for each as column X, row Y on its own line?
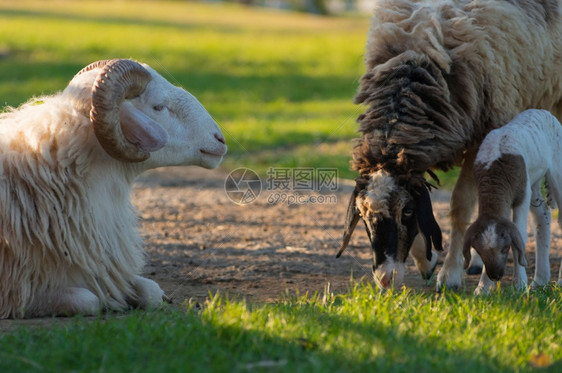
column 278, row 76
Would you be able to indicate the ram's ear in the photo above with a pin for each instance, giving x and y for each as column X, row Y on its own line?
column 141, row 130
column 517, row 244
column 426, row 221
column 351, row 219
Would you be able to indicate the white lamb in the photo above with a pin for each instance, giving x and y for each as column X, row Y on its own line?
column 509, row 169
column 68, row 232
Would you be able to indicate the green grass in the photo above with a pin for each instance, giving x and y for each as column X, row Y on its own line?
column 271, row 79
column 362, row 330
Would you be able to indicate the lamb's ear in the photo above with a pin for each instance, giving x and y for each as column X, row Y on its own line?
column 427, row 223
column 517, row 244
column 351, row 219
column 141, row 130
column 466, row 246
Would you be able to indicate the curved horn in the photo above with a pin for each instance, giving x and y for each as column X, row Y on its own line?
column 118, row 80
column 92, row 66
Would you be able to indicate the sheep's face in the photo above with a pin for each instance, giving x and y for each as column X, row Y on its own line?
column 193, row 137
column 492, row 244
column 138, row 116
column 387, row 210
column 392, row 219
column 492, row 239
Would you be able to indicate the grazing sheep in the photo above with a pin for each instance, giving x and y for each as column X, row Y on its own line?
column 68, row 232
column 441, row 75
column 509, row 169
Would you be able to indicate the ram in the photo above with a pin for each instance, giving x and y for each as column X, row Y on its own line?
column 69, row 240
column 510, row 167
column 441, row 74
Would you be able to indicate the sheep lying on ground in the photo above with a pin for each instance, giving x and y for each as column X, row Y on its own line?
column 509, row 169
column 441, row 75
column 68, row 232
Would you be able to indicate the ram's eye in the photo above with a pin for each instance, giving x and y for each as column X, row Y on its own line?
column 158, row 107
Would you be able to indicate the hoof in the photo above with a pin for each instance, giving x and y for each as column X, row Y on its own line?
column 482, row 291
column 441, row 289
column 474, row 270
column 167, row 299
column 427, row 275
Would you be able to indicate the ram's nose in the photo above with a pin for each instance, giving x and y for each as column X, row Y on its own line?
column 220, row 137
column 217, row 149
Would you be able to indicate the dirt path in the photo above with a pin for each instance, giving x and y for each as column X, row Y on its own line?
column 199, row 241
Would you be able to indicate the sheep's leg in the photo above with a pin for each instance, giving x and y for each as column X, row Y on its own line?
column 476, row 265
column 66, row 302
column 148, row 293
column 541, row 226
column 485, row 285
column 463, row 201
column 426, row 267
column 520, row 215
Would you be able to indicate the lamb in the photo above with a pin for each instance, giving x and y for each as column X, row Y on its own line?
column 68, row 234
column 439, row 76
column 509, row 169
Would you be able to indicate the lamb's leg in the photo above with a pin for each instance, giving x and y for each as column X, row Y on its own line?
column 485, row 285
column 149, row 294
column 554, row 180
column 463, row 201
column 541, row 224
column 426, row 267
column 520, row 215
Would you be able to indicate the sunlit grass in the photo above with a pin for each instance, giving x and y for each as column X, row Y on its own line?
column 363, row 329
